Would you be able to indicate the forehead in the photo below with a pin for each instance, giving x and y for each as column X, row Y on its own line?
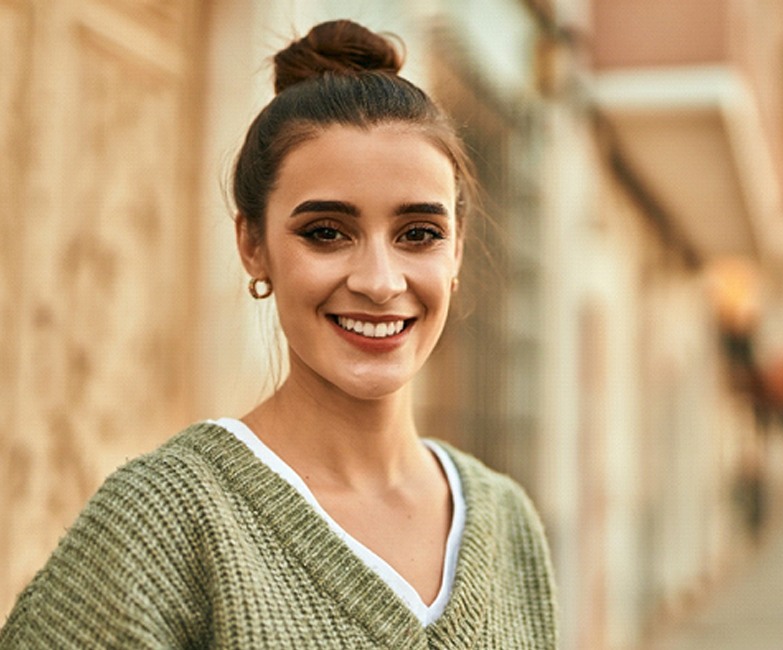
column 388, row 159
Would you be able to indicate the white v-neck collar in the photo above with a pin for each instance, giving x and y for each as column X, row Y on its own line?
column 425, row 613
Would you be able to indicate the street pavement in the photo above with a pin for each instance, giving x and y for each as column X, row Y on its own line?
column 746, row 615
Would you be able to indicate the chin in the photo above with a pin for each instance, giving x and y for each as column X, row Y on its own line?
column 372, row 386
column 361, row 381
column 373, row 391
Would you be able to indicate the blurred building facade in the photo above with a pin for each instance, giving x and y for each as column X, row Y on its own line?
column 618, row 338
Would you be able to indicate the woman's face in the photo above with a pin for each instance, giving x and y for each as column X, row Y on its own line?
column 361, row 246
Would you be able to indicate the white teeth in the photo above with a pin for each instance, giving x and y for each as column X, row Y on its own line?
column 371, row 330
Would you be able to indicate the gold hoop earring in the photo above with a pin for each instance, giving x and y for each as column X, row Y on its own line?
column 253, row 289
column 454, row 284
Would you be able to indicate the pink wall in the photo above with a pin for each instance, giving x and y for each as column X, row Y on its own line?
column 747, row 34
column 634, row 33
column 756, row 42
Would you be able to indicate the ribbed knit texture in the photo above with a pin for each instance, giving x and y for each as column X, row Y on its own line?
column 200, row 545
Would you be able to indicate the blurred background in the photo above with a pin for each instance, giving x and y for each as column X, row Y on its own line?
column 618, row 342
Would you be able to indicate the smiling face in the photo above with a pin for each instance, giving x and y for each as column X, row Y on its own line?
column 361, row 246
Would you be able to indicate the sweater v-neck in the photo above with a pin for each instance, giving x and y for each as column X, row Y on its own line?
column 337, row 571
column 426, row 613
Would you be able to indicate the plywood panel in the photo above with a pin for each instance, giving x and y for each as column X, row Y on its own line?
column 123, row 261
column 167, row 17
column 99, row 295
column 639, row 33
column 15, row 29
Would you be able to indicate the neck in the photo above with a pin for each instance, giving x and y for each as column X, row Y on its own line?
column 332, row 438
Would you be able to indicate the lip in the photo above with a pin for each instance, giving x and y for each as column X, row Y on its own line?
column 368, row 344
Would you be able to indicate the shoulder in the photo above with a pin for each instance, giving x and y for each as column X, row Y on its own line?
column 504, row 535
column 175, row 474
column 499, row 504
column 132, row 557
column 487, row 483
column 503, row 523
column 196, row 460
column 171, row 494
column 155, row 500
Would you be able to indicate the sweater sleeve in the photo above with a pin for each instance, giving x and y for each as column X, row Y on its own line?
column 125, row 575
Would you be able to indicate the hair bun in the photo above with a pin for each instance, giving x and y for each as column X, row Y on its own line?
column 338, row 46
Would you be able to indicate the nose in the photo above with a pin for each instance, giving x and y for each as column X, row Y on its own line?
column 376, row 272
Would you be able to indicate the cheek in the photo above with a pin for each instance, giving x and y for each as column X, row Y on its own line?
column 301, row 280
column 432, row 282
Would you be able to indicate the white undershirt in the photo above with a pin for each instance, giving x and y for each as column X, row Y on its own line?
column 425, row 613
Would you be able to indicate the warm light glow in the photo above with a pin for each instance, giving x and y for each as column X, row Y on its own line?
column 735, row 289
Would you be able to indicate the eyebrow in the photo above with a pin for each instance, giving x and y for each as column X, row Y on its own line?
column 422, row 208
column 326, row 206
column 350, row 209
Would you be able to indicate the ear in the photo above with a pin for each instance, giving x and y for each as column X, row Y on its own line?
column 251, row 251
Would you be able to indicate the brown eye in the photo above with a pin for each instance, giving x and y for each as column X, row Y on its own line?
column 322, row 234
column 421, row 235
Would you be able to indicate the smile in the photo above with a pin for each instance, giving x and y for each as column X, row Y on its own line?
column 371, row 330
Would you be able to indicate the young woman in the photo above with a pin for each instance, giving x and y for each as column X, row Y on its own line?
column 320, row 519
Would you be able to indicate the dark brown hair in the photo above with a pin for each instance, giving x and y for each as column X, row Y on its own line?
column 340, row 73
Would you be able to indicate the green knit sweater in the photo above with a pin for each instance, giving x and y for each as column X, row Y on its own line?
column 200, row 545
